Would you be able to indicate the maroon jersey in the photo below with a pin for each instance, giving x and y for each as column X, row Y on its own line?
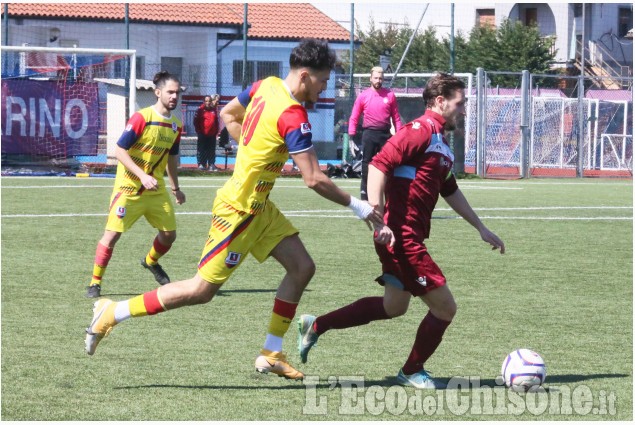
column 418, row 163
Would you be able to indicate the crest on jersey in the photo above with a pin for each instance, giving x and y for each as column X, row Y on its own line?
column 385, row 100
column 305, row 127
column 416, row 125
column 421, row 280
column 233, row 258
column 121, row 212
column 174, row 127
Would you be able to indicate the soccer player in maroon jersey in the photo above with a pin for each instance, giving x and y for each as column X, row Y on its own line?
column 404, row 182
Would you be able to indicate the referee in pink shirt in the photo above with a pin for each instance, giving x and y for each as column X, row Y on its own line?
column 379, row 105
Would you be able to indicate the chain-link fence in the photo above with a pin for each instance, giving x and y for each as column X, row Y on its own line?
column 504, row 133
column 567, row 135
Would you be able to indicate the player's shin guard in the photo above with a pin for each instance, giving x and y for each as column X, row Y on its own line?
column 102, row 257
column 429, row 336
column 157, row 251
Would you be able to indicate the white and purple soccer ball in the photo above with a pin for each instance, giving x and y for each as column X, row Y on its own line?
column 524, row 370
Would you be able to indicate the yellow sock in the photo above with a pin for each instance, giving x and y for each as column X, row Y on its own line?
column 157, row 251
column 146, row 304
column 281, row 317
column 98, row 273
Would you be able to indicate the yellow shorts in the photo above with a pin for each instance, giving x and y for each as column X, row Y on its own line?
column 234, row 234
column 125, row 210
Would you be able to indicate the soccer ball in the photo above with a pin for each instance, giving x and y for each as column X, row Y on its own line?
column 524, row 370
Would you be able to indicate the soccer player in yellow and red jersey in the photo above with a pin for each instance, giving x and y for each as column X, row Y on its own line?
column 269, row 120
column 147, row 148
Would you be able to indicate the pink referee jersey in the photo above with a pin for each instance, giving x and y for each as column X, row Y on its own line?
column 378, row 107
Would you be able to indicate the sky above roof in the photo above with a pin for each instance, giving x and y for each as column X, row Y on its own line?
column 381, row 12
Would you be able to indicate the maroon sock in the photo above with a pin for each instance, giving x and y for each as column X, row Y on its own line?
column 428, row 338
column 361, row 312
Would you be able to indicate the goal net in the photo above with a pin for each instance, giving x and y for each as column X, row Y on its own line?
column 54, row 100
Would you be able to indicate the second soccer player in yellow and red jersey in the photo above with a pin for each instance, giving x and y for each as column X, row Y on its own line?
column 147, row 148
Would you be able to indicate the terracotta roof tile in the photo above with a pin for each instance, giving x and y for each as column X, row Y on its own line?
column 267, row 20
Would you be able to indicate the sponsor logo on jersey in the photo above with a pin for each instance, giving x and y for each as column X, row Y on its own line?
column 233, row 258
column 305, row 127
column 421, row 280
column 121, row 212
column 129, row 127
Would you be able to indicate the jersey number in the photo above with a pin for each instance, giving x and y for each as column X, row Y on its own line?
column 251, row 120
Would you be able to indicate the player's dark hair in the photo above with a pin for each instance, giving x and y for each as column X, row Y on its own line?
column 441, row 85
column 162, row 77
column 312, row 53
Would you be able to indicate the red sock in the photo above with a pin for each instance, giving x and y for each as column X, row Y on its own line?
column 157, row 251
column 361, row 312
column 429, row 336
column 102, row 255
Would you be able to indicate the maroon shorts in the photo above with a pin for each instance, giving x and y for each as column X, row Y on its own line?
column 413, row 270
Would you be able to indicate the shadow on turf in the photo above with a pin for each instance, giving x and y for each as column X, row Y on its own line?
column 388, row 381
column 578, row 378
column 220, row 293
column 291, row 385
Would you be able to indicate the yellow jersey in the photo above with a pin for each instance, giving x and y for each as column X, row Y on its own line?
column 275, row 125
column 149, row 138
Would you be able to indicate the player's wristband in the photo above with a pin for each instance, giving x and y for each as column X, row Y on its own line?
column 360, row 208
column 176, row 190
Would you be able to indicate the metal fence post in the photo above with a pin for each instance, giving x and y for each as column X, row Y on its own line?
column 525, row 105
column 480, row 121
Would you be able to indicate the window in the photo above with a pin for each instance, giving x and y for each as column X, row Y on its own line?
column 485, row 18
column 237, row 73
column 141, row 66
column 195, row 75
column 531, row 16
column 624, row 21
column 173, row 65
column 121, row 68
column 256, row 70
column 267, row 69
column 577, row 10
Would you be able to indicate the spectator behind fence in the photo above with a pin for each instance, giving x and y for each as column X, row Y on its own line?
column 206, row 126
column 379, row 105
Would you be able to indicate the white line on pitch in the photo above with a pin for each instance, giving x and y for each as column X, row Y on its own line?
column 334, row 214
column 215, row 186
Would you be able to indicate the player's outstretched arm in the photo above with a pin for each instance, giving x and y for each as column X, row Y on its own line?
column 459, row 204
column 315, row 179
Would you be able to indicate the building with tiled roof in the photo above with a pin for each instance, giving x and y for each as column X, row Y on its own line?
column 286, row 21
column 201, row 42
